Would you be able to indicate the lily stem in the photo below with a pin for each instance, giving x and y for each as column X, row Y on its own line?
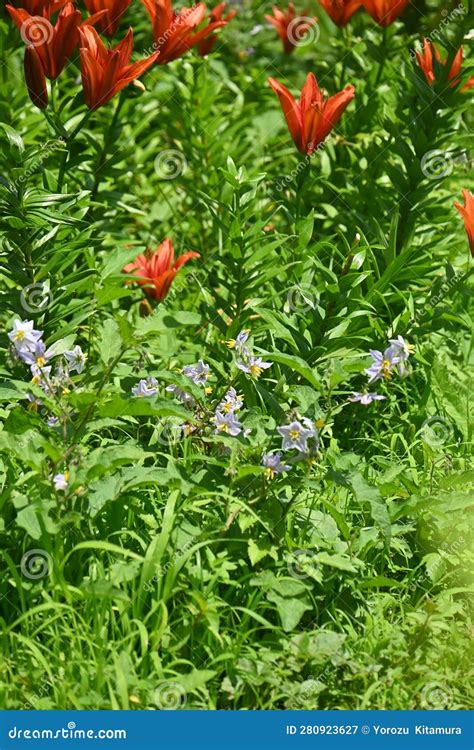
column 301, row 181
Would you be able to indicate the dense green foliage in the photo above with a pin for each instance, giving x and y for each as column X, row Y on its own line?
column 173, row 570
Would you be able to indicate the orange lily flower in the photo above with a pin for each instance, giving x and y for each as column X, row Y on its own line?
column 313, row 117
column 467, row 213
column 205, row 47
column 156, row 270
column 340, row 11
column 54, row 44
column 385, row 12
column 291, row 27
column 174, row 32
column 42, row 7
column 49, row 46
column 114, row 10
column 429, row 60
column 104, row 71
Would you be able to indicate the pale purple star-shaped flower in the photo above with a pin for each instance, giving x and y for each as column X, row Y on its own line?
column 366, row 398
column 273, row 465
column 227, row 423
column 254, row 366
column 197, row 373
column 401, row 348
column 146, row 388
column 36, row 355
column 76, row 359
column 23, row 335
column 61, row 481
column 231, row 401
column 382, row 364
column 239, row 342
column 295, row 436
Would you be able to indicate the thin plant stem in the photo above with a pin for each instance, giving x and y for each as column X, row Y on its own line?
column 301, row 182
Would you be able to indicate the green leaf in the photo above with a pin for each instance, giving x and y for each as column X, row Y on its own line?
column 10, row 394
column 290, row 610
column 161, row 320
column 340, row 562
column 28, row 520
column 196, row 679
column 110, row 342
column 102, row 492
column 13, row 137
column 259, row 550
column 145, row 407
column 365, row 493
column 297, row 365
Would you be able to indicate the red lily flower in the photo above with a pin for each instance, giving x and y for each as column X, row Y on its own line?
column 429, row 61
column 104, row 71
column 205, row 47
column 291, row 28
column 467, row 213
column 114, row 10
column 340, row 11
column 44, row 8
column 385, row 12
column 311, row 118
column 174, row 32
column 50, row 47
column 156, row 270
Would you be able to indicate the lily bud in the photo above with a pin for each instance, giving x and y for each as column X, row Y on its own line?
column 35, row 78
